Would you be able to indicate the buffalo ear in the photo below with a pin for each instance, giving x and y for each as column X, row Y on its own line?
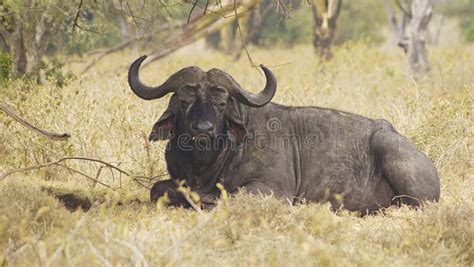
column 237, row 129
column 235, row 125
column 163, row 128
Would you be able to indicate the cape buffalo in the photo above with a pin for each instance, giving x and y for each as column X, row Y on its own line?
column 220, row 133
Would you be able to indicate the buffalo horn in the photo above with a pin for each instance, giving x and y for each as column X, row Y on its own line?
column 254, row 100
column 174, row 82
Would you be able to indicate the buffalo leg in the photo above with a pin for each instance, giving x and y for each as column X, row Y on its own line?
column 170, row 187
column 411, row 174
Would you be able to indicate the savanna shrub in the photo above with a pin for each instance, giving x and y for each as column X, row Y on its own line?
column 5, row 66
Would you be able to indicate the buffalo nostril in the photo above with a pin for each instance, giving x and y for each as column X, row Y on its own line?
column 204, row 127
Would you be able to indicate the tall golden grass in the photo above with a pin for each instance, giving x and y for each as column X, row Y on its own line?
column 108, row 122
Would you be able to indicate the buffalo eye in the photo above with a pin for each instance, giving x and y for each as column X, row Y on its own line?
column 183, row 103
column 187, row 95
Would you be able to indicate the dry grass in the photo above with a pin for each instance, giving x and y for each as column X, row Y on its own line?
column 108, row 122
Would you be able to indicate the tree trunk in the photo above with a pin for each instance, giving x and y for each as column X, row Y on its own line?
column 437, row 33
column 44, row 34
column 417, row 56
column 4, row 41
column 17, row 52
column 225, row 41
column 24, row 51
column 410, row 34
column 325, row 14
column 392, row 19
column 32, row 53
column 126, row 29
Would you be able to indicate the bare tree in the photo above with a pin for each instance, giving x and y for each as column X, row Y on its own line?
column 325, row 14
column 410, row 33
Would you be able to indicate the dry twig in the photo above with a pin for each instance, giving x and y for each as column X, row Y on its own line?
column 195, row 2
column 244, row 41
column 76, row 18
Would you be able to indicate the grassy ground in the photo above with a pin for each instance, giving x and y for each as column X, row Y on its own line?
column 108, row 122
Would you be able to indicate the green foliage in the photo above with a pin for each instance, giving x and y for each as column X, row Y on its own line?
column 467, row 27
column 278, row 30
column 55, row 74
column 5, row 66
column 96, row 30
column 82, row 42
column 361, row 20
column 463, row 10
column 53, row 71
column 358, row 20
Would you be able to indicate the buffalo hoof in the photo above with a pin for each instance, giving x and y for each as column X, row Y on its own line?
column 170, row 188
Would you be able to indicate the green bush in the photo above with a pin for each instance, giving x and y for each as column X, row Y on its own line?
column 53, row 73
column 463, row 10
column 467, row 27
column 361, row 20
column 5, row 66
column 278, row 30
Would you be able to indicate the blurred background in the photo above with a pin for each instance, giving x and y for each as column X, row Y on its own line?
column 39, row 37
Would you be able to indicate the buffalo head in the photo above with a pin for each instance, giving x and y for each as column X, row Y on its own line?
column 203, row 104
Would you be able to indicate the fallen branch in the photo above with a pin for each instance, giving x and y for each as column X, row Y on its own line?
column 53, row 136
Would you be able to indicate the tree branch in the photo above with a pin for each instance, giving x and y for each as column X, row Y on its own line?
column 244, row 42
column 196, row 29
column 85, row 175
column 76, row 21
column 76, row 18
column 131, row 14
column 59, row 161
column 403, row 8
column 53, row 136
column 195, row 2
column 104, row 52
